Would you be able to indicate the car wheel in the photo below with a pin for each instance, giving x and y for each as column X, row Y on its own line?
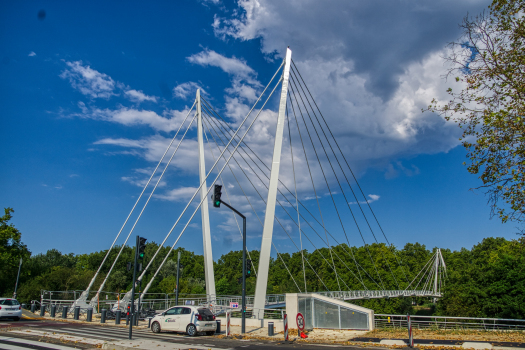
column 210, row 333
column 155, row 327
column 16, row 318
column 191, row 330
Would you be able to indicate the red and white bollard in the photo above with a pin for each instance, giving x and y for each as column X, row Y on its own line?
column 410, row 337
column 285, row 327
column 228, row 313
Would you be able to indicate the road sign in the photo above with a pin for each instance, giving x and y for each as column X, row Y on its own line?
column 234, row 305
column 300, row 321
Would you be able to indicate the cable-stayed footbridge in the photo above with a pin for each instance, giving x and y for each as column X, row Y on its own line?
column 311, row 194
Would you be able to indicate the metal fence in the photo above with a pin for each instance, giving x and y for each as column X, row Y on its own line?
column 155, row 301
column 447, row 322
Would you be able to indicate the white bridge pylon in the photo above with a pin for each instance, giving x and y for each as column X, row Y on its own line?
column 266, row 243
column 290, row 88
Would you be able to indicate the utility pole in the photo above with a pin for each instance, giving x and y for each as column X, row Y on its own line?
column 216, row 198
column 17, row 277
column 178, row 274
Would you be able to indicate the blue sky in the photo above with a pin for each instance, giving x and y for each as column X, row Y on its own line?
column 93, row 91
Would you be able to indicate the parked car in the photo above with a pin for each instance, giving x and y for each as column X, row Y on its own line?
column 10, row 308
column 188, row 319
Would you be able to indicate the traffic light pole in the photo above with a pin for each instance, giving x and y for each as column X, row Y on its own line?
column 132, row 309
column 243, row 300
column 178, row 273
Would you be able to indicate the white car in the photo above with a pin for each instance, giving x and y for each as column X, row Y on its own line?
column 10, row 308
column 188, row 319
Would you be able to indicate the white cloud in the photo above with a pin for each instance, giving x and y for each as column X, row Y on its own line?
column 373, row 198
column 370, row 83
column 169, row 121
column 182, row 194
column 139, row 96
column 141, row 176
column 187, row 89
column 32, row 53
column 89, row 81
column 233, row 66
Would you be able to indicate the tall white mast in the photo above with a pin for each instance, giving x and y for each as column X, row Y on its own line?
column 206, row 238
column 266, row 244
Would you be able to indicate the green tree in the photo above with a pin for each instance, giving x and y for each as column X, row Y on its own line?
column 489, row 61
column 11, row 250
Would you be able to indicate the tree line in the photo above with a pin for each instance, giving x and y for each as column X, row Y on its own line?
column 485, row 281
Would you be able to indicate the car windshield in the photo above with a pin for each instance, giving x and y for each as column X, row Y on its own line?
column 9, row 302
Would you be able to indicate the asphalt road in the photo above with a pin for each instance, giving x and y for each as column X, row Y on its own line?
column 112, row 333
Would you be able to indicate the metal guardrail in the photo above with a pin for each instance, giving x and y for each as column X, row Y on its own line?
column 448, row 322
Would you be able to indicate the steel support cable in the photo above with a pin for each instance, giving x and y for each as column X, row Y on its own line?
column 146, row 204
column 428, row 282
column 351, row 171
column 195, row 194
column 333, row 170
column 262, row 198
column 253, row 209
column 342, row 191
column 296, row 200
column 283, row 207
column 322, row 145
column 222, row 123
column 86, row 292
column 209, row 173
column 304, row 150
column 225, row 190
column 306, row 109
column 315, row 191
column 424, row 273
column 424, row 267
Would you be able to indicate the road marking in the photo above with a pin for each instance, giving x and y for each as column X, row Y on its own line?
column 17, row 343
column 51, row 332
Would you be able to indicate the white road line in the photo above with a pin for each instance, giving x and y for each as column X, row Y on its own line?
column 85, row 334
column 11, row 347
column 19, row 343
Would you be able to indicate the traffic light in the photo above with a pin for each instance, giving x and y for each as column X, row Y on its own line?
column 216, row 197
column 142, row 246
column 128, row 266
column 248, row 267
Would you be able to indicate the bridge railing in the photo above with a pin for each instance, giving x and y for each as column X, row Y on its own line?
column 448, row 322
column 375, row 294
column 155, row 301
